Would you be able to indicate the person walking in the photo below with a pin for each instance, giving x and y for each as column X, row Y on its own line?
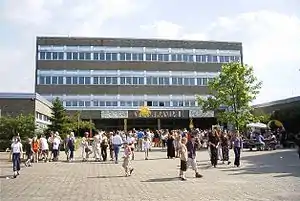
column 116, row 143
column 191, row 161
column 17, row 153
column 126, row 162
column 213, row 142
column 71, row 146
column 237, row 147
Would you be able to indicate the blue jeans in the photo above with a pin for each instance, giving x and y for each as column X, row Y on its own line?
column 116, row 150
column 16, row 161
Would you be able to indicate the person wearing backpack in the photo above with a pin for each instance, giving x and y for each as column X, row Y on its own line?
column 71, row 146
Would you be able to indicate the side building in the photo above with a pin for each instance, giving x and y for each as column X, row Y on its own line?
column 14, row 104
column 109, row 79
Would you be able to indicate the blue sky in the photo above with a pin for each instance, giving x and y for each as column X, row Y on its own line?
column 268, row 29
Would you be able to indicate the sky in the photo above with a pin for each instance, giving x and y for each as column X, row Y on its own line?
column 268, row 29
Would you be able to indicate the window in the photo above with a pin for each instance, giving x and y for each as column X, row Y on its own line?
column 148, row 57
column 175, row 103
column 222, row 59
column 114, row 80
column 209, row 58
column 87, row 103
column 122, row 103
column 60, row 80
column 42, row 55
column 135, row 80
column 108, row 56
column 128, row 80
column 55, row 56
column 122, row 56
column 108, row 103
column 95, row 103
column 75, row 80
column 154, row 80
column 227, row 59
column 215, row 59
column 203, row 58
column 96, row 56
column 95, row 80
column 114, row 56
column 68, row 80
column 102, row 56
column 81, row 80
column 87, row 80
column 179, row 57
column 161, row 104
column 134, row 57
column 81, row 55
column 101, row 103
column 141, row 80
column 87, row 56
column 155, row 103
column 74, row 103
column 68, row 103
column 167, row 104
column 141, row 57
column 154, row 57
column 81, row 103
column 41, row 80
column 102, row 80
column 173, row 57
column 122, row 80
column 128, row 56
column 199, row 81
column 48, row 80
column 149, row 103
column 69, row 55
column 61, row 56
column 75, row 55
column 108, row 80
column 174, row 81
column 204, row 81
column 48, row 55
column 135, row 103
column 129, row 103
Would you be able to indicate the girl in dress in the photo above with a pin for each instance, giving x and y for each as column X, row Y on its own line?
column 146, row 147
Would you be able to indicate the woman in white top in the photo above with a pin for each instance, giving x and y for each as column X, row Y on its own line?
column 85, row 150
column 146, row 147
column 131, row 141
column 17, row 152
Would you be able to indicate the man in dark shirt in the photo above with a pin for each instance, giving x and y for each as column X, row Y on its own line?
column 191, row 148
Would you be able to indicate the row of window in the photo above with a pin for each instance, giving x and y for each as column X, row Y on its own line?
column 81, row 80
column 98, row 103
column 109, row 56
column 42, row 117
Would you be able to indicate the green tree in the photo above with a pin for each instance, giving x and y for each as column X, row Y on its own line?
column 24, row 125
column 59, row 119
column 233, row 89
column 77, row 125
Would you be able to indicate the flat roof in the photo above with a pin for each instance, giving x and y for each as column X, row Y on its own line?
column 4, row 95
column 278, row 102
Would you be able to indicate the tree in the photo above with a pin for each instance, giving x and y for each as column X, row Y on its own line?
column 76, row 124
column 59, row 119
column 24, row 125
column 233, row 89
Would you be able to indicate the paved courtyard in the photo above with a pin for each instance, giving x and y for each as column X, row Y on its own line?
column 273, row 175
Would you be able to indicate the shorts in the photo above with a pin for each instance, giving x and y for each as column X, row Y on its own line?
column 46, row 151
column 183, row 165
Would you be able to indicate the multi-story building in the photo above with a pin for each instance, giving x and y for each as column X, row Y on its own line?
column 109, row 79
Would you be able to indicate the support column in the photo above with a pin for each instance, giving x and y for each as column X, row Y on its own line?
column 91, row 131
column 158, row 124
column 125, row 125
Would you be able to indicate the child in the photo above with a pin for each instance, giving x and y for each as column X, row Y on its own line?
column 183, row 158
column 126, row 163
column 146, row 146
column 29, row 152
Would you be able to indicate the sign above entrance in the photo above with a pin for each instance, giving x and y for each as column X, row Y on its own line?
column 160, row 114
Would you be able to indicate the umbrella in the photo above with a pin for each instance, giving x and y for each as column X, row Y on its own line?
column 275, row 123
column 257, row 125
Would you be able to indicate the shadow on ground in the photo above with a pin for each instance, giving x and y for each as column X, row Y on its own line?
column 105, row 177
column 162, row 179
column 285, row 163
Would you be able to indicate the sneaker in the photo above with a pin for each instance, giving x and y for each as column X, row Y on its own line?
column 228, row 163
column 183, row 179
column 197, row 175
column 131, row 170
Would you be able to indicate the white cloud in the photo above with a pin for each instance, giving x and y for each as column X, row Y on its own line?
column 271, row 44
column 163, row 29
column 31, row 18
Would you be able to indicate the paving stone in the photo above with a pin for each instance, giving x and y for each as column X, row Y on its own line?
column 263, row 176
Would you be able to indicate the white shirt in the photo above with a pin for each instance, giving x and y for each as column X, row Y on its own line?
column 56, row 143
column 146, row 144
column 44, row 144
column 117, row 140
column 16, row 147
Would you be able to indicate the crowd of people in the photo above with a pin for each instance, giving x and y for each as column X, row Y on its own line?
column 105, row 146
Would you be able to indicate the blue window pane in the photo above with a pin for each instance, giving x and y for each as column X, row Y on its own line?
column 198, row 58
column 122, row 56
column 231, row 58
column 166, row 81
column 180, row 103
column 141, row 80
column 101, row 103
column 154, row 80
column 185, row 58
column 167, row 103
column 81, row 55
column 161, row 80
column 81, row 80
column 204, row 81
column 42, row 80
column 173, row 57
column 148, row 57
column 174, row 81
column 102, row 56
column 95, row 103
column 160, row 57
column 60, row 80
column 190, row 58
column 175, row 103
column 68, row 80
column 48, row 80
column 122, row 80
column 114, row 56
column 166, row 57
column 108, row 56
column 108, row 103
column 128, row 56
column 87, row 56
column 155, row 103
column 42, row 55
column 215, row 59
column 122, row 103
column 154, row 57
column 149, row 80
column 186, row 81
column 102, row 80
column 199, row 81
column 128, row 80
column 179, row 57
column 114, row 103
column 96, row 56
column 87, row 80
column 134, row 57
column 192, row 103
column 108, row 80
column 54, row 56
column 87, row 103
column 68, row 103
column 192, row 81
column 75, row 80
column 74, row 103
column 75, row 55
column 180, row 81
column 135, row 80
column 237, row 58
column 209, row 58
column 222, row 59
column 114, row 80
column 61, row 56
column 141, row 57
column 226, row 59
column 203, row 58
column 95, row 80
column 135, row 103
column 48, row 55
column 69, row 55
